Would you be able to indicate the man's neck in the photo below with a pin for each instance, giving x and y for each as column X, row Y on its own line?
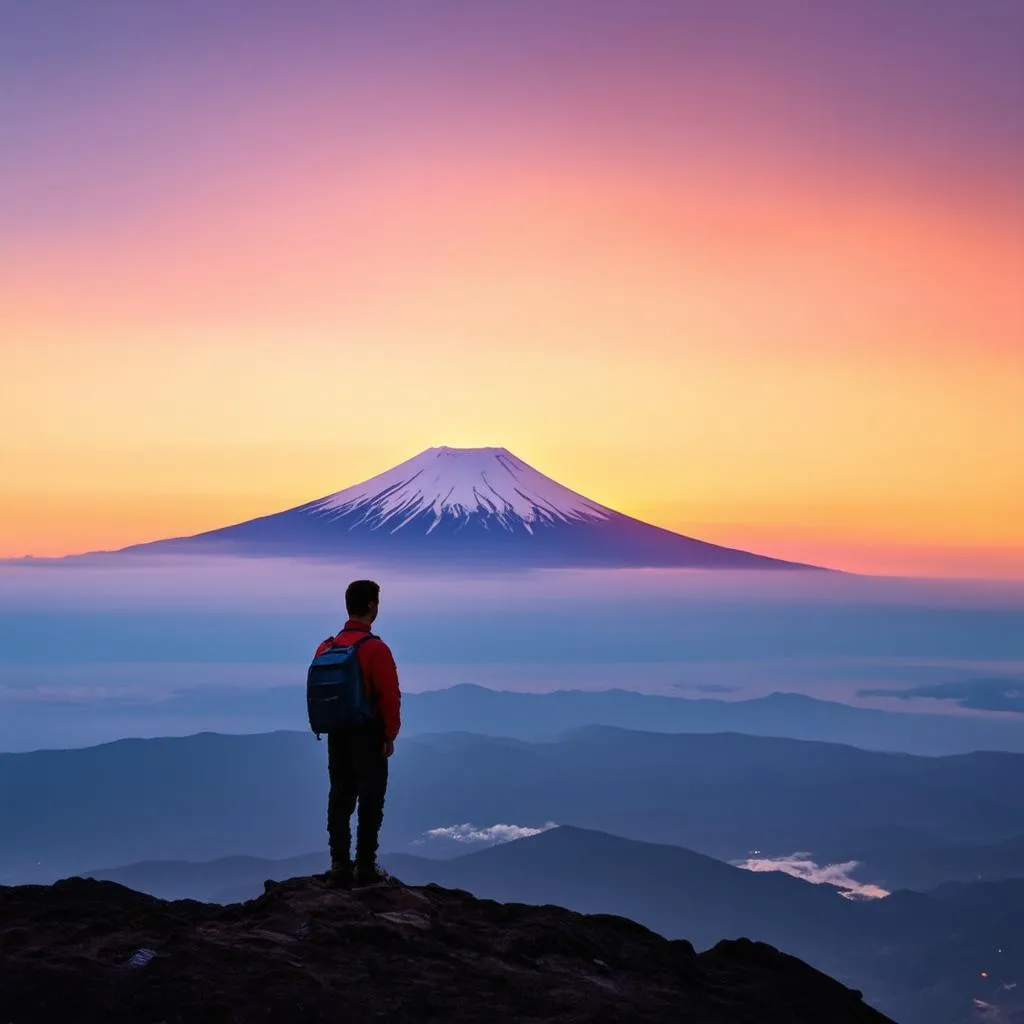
column 361, row 620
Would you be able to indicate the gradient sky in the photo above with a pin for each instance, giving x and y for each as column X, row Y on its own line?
column 752, row 271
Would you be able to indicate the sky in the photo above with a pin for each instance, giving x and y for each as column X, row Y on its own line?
column 748, row 271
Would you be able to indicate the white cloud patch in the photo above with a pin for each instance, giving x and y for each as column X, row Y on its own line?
column 492, row 834
column 800, row 865
column 990, row 1013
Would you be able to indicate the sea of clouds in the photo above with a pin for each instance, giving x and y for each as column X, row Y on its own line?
column 143, row 647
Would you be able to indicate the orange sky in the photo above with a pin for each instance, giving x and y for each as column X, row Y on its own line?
column 750, row 332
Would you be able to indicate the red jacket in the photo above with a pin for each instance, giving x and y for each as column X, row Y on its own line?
column 380, row 675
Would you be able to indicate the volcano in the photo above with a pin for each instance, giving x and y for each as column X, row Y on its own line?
column 481, row 506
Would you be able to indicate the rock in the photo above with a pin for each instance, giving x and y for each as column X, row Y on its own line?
column 305, row 952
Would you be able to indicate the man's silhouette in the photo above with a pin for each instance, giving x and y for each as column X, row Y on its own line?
column 357, row 758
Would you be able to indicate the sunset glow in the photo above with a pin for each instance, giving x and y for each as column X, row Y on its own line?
column 767, row 295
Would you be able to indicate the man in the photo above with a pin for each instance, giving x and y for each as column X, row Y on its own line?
column 357, row 758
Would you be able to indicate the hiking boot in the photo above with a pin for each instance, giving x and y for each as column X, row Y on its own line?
column 340, row 874
column 372, row 874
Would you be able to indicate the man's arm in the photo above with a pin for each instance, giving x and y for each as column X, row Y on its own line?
column 385, row 681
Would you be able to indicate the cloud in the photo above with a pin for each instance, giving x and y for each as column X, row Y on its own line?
column 989, row 1012
column 493, row 834
column 998, row 694
column 800, row 865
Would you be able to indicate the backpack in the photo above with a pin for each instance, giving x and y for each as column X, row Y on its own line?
column 335, row 696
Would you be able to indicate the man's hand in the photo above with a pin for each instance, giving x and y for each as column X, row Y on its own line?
column 389, row 747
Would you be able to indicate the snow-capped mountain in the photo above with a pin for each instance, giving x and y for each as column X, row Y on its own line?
column 479, row 505
column 461, row 484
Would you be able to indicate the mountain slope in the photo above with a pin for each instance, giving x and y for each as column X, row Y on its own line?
column 664, row 887
column 464, row 505
column 303, row 952
column 922, row 958
column 917, row 956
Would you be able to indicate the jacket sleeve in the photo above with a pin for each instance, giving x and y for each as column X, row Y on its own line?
column 384, row 674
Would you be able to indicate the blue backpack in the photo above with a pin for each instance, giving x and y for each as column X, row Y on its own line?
column 335, row 696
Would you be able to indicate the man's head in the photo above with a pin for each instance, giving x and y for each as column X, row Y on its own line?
column 361, row 599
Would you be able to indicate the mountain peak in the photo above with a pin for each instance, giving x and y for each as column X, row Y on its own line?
column 445, row 449
column 462, row 483
column 480, row 506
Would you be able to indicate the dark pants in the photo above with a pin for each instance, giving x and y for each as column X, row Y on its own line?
column 358, row 772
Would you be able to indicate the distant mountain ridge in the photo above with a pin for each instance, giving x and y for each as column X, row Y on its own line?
column 470, row 506
column 723, row 795
column 532, row 716
column 484, row 711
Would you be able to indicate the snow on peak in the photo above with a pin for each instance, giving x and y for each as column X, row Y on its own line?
column 460, row 482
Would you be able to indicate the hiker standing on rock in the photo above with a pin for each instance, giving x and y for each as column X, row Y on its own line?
column 353, row 697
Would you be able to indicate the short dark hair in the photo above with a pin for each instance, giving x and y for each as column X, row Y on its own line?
column 360, row 595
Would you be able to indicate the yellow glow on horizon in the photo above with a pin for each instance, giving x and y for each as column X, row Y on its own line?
column 784, row 368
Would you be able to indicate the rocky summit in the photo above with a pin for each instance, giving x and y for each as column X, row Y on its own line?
column 88, row 951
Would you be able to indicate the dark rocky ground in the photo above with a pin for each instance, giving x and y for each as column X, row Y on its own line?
column 304, row 952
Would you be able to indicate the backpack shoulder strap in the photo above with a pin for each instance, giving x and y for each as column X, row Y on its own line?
column 362, row 640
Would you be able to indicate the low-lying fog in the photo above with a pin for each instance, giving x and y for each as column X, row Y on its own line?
column 92, row 652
